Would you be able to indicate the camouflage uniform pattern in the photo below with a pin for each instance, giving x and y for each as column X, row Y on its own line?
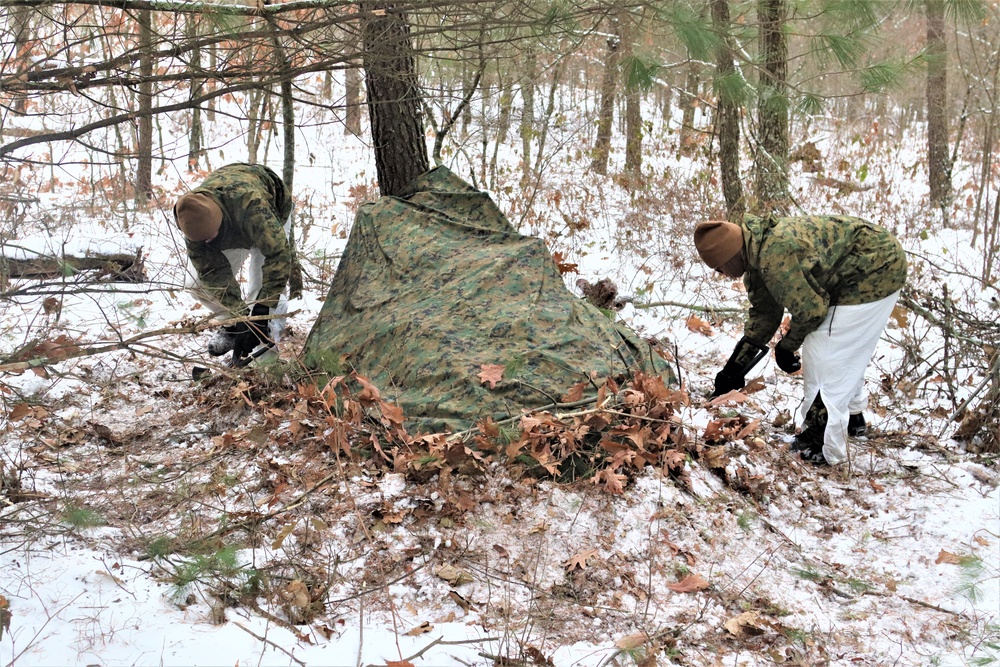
column 255, row 204
column 809, row 264
column 435, row 283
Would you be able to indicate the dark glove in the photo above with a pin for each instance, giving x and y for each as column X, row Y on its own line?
column 250, row 335
column 729, row 378
column 787, row 360
column 743, row 359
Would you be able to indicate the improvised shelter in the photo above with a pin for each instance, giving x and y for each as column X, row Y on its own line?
column 435, row 283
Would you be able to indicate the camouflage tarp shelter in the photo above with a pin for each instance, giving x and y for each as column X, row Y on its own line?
column 435, row 283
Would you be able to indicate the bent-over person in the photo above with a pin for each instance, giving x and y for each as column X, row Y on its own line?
column 839, row 278
column 240, row 211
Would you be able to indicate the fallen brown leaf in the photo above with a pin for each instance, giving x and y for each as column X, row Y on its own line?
column 689, row 584
column 491, row 374
column 580, row 560
column 948, row 557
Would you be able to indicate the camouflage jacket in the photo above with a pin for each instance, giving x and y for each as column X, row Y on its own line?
column 808, row 264
column 255, row 204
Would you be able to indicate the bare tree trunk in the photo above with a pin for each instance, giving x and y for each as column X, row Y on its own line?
column 21, row 19
column 633, row 99
column 938, row 163
column 352, row 101
column 256, row 113
column 771, row 159
column 506, row 105
column 727, row 113
column 352, row 92
column 196, row 133
column 394, row 100
column 690, row 104
column 144, row 148
column 605, row 117
column 528, row 111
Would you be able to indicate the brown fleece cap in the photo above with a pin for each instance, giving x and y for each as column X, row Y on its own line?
column 718, row 241
column 198, row 217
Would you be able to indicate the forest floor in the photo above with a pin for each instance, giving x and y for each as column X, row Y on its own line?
column 150, row 518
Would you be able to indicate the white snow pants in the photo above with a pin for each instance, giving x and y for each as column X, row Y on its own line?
column 834, row 360
column 255, row 279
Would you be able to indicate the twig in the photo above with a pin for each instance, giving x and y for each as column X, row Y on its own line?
column 440, row 641
column 201, row 325
column 689, row 306
column 268, row 642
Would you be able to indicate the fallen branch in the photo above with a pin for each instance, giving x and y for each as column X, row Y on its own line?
column 268, row 642
column 689, row 306
column 64, row 351
column 119, row 267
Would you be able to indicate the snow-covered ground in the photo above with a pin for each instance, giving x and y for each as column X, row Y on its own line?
column 106, row 458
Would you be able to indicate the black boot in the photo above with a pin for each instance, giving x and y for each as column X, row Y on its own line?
column 810, row 438
column 856, row 426
column 814, row 455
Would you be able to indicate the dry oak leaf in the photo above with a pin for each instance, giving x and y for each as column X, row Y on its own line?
column 948, row 557
column 689, row 584
column 423, row 628
column 461, row 601
column 453, row 575
column 629, row 642
column 698, row 325
column 575, row 392
column 580, row 560
column 747, row 623
column 491, row 374
column 395, row 663
column 734, row 396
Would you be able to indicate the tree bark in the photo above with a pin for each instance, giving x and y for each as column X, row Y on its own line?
column 528, row 111
column 727, row 114
column 21, row 20
column 633, row 111
column 771, row 159
column 938, row 162
column 605, row 116
column 195, row 135
column 352, row 101
column 352, row 91
column 690, row 104
column 394, row 101
column 144, row 147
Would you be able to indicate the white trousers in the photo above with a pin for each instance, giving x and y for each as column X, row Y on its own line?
column 255, row 279
column 834, row 360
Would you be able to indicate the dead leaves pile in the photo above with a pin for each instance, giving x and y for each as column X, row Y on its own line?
column 629, row 428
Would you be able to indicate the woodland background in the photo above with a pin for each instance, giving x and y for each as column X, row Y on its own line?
column 296, row 512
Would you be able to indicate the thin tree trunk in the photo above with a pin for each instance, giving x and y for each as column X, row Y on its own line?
column 352, row 101
column 633, row 99
column 771, row 159
column 727, row 114
column 144, row 148
column 195, row 135
column 937, row 105
column 528, row 111
column 394, row 100
column 21, row 19
column 690, row 104
column 352, row 92
column 605, row 117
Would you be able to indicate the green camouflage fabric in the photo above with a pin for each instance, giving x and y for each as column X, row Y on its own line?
column 436, row 283
column 255, row 204
column 808, row 264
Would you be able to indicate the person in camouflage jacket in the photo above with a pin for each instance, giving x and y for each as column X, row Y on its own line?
column 839, row 278
column 240, row 211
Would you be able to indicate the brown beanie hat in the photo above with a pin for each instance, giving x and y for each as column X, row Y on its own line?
column 198, row 216
column 718, row 241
